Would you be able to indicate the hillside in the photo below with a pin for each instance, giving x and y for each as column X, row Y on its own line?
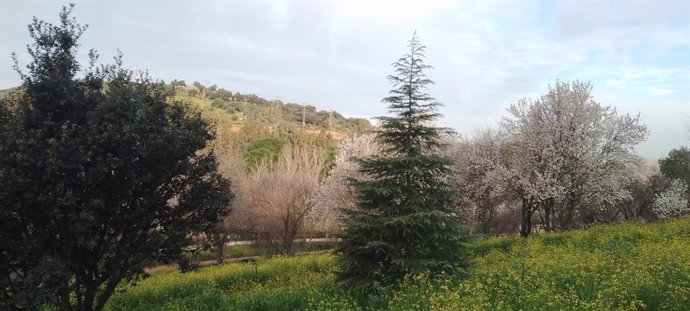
column 610, row 267
column 4, row 92
column 233, row 110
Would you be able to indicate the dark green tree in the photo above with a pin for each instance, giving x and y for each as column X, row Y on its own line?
column 677, row 164
column 178, row 83
column 200, row 88
column 98, row 175
column 266, row 149
column 406, row 222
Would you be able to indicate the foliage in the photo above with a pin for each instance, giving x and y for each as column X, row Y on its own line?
column 673, row 201
column 571, row 157
column 239, row 252
column 622, row 267
column 677, row 164
column 479, row 170
column 263, row 150
column 253, row 107
column 405, row 221
column 5, row 92
column 97, row 175
column 274, row 200
column 334, row 192
column 608, row 267
column 280, row 170
column 280, row 283
column 643, row 191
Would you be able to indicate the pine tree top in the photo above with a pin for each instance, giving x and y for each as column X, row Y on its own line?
column 410, row 130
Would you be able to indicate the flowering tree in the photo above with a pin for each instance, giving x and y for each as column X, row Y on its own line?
column 533, row 162
column 334, row 193
column 672, row 202
column 480, row 173
column 571, row 156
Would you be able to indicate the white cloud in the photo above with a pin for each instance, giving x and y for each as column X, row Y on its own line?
column 335, row 54
column 389, row 11
column 660, row 91
column 653, row 80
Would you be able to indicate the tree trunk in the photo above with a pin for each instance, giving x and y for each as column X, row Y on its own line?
column 526, row 227
column 571, row 207
column 486, row 220
column 220, row 244
column 548, row 207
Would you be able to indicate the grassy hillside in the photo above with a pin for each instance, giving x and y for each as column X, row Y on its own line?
column 4, row 92
column 233, row 110
column 238, row 108
column 613, row 267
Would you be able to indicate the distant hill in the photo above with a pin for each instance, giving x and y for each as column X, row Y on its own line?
column 4, row 92
column 233, row 110
column 236, row 109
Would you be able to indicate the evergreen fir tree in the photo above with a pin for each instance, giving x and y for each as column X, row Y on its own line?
column 405, row 223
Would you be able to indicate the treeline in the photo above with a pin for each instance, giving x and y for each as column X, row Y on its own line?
column 244, row 107
column 556, row 162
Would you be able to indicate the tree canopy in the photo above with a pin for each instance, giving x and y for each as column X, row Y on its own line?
column 98, row 174
column 677, row 164
column 570, row 156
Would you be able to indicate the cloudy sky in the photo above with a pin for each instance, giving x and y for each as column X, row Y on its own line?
column 336, row 54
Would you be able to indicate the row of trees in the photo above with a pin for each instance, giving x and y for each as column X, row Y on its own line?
column 557, row 162
column 620, row 194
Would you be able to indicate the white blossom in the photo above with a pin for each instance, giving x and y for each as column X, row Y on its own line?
column 334, row 192
column 672, row 202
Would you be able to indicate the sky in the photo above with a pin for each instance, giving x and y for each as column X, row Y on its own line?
column 337, row 54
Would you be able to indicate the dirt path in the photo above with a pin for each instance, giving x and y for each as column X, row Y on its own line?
column 209, row 262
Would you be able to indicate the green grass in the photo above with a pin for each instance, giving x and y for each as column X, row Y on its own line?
column 612, row 267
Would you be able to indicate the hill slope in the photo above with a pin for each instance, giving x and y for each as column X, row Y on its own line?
column 234, row 110
column 613, row 267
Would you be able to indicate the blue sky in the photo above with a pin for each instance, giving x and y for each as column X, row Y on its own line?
column 336, row 54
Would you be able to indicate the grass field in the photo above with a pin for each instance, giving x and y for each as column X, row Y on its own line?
column 613, row 267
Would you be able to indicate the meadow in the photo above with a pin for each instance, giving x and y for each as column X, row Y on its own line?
column 608, row 267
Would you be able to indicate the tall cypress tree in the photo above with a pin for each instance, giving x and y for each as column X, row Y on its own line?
column 405, row 223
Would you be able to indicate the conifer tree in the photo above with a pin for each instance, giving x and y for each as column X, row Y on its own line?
column 405, row 223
